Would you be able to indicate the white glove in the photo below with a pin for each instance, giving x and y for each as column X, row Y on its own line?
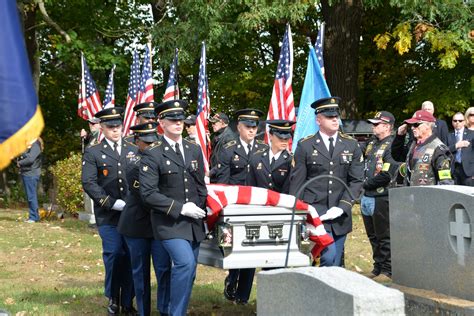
column 118, row 205
column 191, row 210
column 332, row 213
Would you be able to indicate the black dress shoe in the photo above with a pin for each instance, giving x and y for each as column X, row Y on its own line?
column 129, row 311
column 229, row 289
column 113, row 308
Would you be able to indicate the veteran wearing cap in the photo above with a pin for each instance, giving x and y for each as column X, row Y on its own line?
column 135, row 222
column 222, row 135
column 427, row 160
column 104, row 180
column 172, row 184
column 232, row 168
column 270, row 167
column 190, row 127
column 380, row 173
column 329, row 152
column 92, row 137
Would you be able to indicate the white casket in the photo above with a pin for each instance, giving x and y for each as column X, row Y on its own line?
column 255, row 236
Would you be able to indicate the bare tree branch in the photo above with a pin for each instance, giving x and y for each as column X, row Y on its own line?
column 51, row 22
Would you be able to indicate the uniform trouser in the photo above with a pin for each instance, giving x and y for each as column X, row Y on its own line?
column 243, row 278
column 31, row 186
column 183, row 254
column 377, row 227
column 162, row 265
column 118, row 272
column 140, row 254
column 331, row 256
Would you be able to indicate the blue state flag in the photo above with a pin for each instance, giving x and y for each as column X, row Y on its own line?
column 314, row 88
column 20, row 116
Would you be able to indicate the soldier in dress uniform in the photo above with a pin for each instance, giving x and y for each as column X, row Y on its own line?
column 380, row 173
column 145, row 114
column 135, row 222
column 270, row 167
column 329, row 152
column 232, row 168
column 172, row 184
column 104, row 180
column 427, row 159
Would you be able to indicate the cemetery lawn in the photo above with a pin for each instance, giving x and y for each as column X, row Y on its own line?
column 55, row 268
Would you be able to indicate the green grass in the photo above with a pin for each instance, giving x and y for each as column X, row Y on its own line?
column 56, row 268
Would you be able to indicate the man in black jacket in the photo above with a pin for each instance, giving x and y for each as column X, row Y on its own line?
column 104, row 180
column 460, row 143
column 380, row 172
column 172, row 184
column 222, row 135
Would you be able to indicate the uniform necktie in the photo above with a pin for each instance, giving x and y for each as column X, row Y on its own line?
column 116, row 149
column 458, row 152
column 272, row 163
column 249, row 147
column 178, row 152
column 331, row 146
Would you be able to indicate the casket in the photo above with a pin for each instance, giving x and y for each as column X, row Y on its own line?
column 255, row 236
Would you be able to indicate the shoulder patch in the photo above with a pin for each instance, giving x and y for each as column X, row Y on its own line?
column 346, row 136
column 230, row 144
column 306, row 138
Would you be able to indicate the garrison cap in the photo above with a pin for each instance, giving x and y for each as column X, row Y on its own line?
column 145, row 132
column 383, row 117
column 171, row 110
column 327, row 106
column 110, row 116
column 249, row 117
column 280, row 128
column 146, row 109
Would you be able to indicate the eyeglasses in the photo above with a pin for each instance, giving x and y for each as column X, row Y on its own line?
column 458, row 121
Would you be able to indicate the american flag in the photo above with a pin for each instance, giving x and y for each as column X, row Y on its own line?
column 172, row 89
column 89, row 100
column 146, row 82
column 282, row 106
column 130, row 116
column 319, row 47
column 109, row 101
column 203, row 110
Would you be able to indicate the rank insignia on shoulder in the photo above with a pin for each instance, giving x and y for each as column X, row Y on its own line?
column 306, row 138
column 155, row 144
column 230, row 144
column 346, row 136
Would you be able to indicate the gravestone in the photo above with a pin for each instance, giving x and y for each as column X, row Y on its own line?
column 432, row 231
column 324, row 291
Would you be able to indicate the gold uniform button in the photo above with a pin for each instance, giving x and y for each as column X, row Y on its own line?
column 120, row 180
column 121, row 189
column 331, row 163
column 185, row 180
column 330, row 182
column 186, row 190
column 329, row 191
column 118, row 164
column 119, row 172
column 187, row 199
column 330, row 172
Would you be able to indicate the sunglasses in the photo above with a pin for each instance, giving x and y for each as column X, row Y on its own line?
column 416, row 125
column 458, row 121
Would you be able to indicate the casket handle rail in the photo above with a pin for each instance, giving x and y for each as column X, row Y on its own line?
column 298, row 194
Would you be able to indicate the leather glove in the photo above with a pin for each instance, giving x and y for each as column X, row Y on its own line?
column 332, row 213
column 118, row 205
column 191, row 210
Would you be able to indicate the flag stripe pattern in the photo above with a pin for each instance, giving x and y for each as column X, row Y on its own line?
column 282, row 104
column 172, row 88
column 89, row 99
column 109, row 101
column 133, row 85
column 219, row 196
column 146, row 82
column 203, row 109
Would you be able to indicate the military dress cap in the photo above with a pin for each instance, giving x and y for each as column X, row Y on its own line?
column 190, row 120
column 110, row 116
column 171, row 110
column 382, row 117
column 219, row 117
column 327, row 106
column 146, row 132
column 280, row 128
column 94, row 120
column 421, row 116
column 249, row 117
column 146, row 109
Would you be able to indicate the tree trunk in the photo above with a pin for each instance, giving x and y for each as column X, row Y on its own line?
column 28, row 16
column 341, row 51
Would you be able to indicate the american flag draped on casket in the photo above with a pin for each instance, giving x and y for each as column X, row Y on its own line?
column 219, row 196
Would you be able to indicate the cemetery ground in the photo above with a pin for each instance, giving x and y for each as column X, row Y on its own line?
column 55, row 268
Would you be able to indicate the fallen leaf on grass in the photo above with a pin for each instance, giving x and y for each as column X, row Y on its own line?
column 60, row 261
column 55, row 227
column 9, row 301
column 22, row 313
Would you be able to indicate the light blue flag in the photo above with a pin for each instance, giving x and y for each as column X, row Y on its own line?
column 314, row 88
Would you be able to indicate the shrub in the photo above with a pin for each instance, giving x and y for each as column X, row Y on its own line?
column 67, row 180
